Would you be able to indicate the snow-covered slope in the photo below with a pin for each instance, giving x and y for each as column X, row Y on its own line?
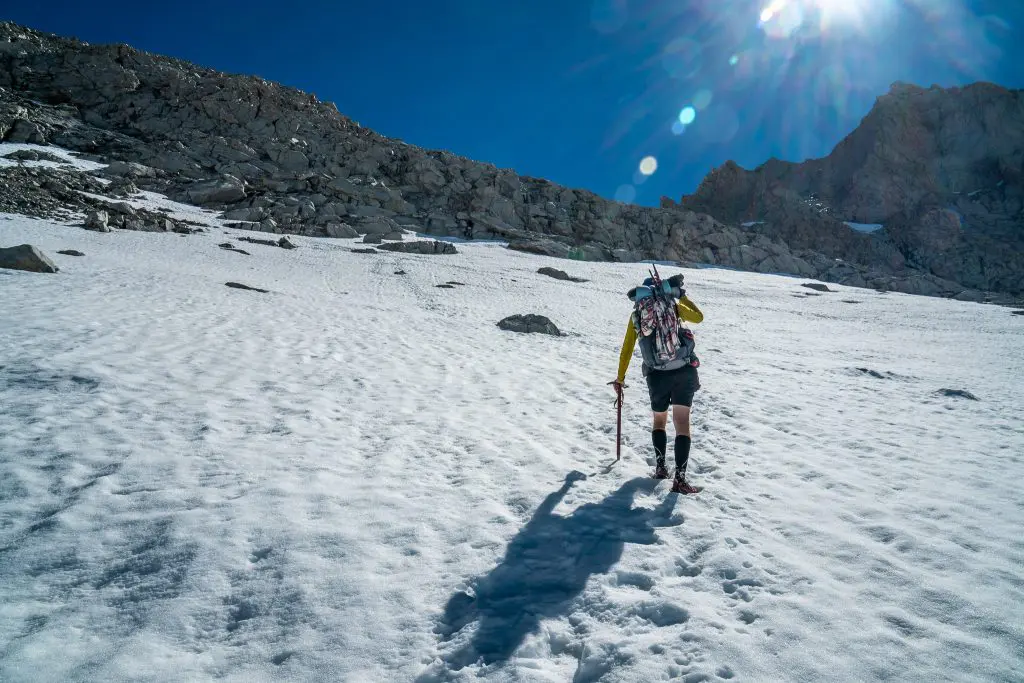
column 201, row 482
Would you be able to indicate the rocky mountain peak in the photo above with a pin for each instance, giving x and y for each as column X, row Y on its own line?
column 919, row 157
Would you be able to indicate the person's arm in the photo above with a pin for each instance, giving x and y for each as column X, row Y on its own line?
column 627, row 351
column 688, row 311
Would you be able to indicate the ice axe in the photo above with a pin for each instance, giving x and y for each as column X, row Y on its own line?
column 619, row 386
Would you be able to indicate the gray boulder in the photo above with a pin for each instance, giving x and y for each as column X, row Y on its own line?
column 122, row 208
column 26, row 257
column 34, row 155
column 129, row 169
column 97, row 220
column 370, row 238
column 421, row 247
column 529, row 323
column 958, row 393
column 559, row 274
column 227, row 190
column 376, row 226
column 340, row 231
column 251, row 214
column 26, row 131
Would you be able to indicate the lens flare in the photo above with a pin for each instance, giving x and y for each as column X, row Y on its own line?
column 682, row 58
column 648, row 165
column 702, row 99
column 769, row 12
column 782, row 19
column 687, row 115
column 625, row 194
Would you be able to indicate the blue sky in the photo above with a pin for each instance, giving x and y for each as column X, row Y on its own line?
column 580, row 92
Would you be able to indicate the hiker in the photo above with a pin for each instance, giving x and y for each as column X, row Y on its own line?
column 669, row 366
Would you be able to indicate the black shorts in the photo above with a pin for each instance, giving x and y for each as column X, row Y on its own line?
column 675, row 387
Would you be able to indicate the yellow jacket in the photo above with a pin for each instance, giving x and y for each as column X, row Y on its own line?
column 687, row 311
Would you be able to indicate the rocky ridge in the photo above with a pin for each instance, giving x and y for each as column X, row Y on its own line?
column 940, row 170
column 278, row 160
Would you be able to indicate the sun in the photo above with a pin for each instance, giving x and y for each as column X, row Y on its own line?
column 781, row 18
column 836, row 12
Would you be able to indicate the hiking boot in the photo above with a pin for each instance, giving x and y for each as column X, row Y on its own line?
column 660, row 471
column 680, row 485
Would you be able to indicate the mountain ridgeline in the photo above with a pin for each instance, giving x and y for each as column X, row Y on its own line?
column 941, row 170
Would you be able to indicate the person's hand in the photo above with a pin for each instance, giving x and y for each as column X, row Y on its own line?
column 619, row 386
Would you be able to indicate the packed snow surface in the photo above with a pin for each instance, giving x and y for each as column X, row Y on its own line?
column 359, row 477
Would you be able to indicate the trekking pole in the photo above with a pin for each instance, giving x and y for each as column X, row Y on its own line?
column 618, row 419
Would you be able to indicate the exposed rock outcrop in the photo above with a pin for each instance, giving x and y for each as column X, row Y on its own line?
column 941, row 170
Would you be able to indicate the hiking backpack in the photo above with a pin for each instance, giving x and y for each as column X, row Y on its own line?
column 664, row 343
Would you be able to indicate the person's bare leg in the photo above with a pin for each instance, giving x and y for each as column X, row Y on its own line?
column 681, row 419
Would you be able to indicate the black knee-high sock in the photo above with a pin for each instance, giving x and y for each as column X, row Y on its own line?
column 660, row 439
column 682, row 452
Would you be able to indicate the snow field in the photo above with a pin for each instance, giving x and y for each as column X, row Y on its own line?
column 359, row 477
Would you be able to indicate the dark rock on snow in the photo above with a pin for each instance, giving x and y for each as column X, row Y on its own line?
column 529, row 323
column 230, row 247
column 421, row 247
column 958, row 393
column 26, row 257
column 559, row 274
column 34, row 155
column 284, row 242
column 238, row 285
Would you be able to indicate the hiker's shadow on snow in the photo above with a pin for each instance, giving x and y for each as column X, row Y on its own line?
column 547, row 565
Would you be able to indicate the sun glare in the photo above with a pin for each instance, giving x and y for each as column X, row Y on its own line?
column 781, row 18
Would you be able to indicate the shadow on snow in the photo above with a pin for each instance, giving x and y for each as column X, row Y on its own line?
column 547, row 565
